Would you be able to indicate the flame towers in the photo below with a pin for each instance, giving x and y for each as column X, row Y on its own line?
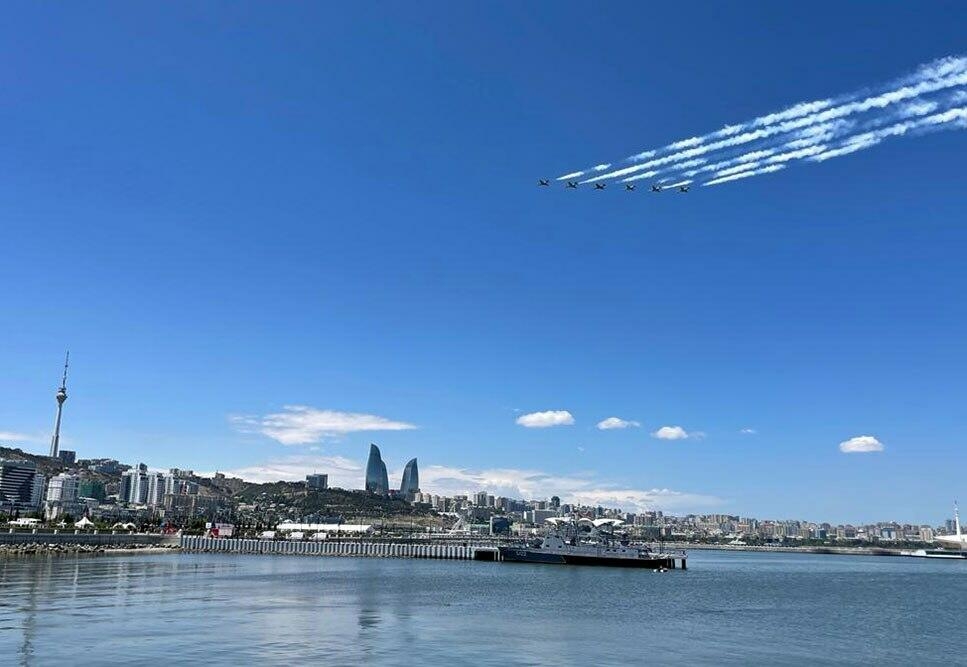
column 411, row 480
column 376, row 479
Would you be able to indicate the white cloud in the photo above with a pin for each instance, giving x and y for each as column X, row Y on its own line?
column 616, row 422
column 344, row 473
column 12, row 436
column 300, row 425
column 673, row 433
column 546, row 419
column 861, row 444
column 510, row 482
column 748, row 431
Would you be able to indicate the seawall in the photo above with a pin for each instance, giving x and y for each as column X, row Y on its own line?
column 100, row 539
column 340, row 548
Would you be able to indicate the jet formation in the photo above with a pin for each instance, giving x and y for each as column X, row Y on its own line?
column 629, row 187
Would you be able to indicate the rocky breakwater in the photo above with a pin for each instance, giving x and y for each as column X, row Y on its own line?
column 41, row 548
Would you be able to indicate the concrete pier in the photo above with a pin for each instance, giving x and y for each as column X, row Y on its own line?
column 339, row 548
column 376, row 549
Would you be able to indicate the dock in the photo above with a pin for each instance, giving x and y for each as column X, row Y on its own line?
column 375, row 549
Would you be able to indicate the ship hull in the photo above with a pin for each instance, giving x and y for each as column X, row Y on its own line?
column 517, row 555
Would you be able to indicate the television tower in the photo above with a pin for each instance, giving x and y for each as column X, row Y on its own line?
column 61, row 396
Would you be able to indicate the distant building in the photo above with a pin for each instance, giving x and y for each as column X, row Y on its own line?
column 90, row 488
column 67, row 457
column 480, row 499
column 376, row 479
column 500, row 525
column 62, row 488
column 411, row 480
column 62, row 497
column 106, row 466
column 317, row 482
column 21, row 486
column 539, row 516
column 134, row 486
column 156, row 489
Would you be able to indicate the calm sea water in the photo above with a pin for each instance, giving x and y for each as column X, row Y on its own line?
column 728, row 608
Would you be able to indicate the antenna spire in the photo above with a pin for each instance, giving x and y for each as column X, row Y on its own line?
column 67, row 358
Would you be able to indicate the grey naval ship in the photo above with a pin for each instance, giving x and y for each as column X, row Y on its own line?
column 589, row 542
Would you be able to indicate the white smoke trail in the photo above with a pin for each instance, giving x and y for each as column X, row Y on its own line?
column 648, row 174
column 862, row 106
column 746, row 174
column 938, row 69
column 957, row 117
column 807, row 123
column 575, row 174
column 951, row 118
column 638, row 177
column 814, row 139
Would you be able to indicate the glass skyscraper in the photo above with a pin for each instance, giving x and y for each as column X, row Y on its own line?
column 376, row 479
column 411, row 480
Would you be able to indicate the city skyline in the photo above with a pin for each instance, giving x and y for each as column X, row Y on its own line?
column 464, row 485
column 299, row 259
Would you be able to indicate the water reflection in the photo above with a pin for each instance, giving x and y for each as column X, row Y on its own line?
column 727, row 609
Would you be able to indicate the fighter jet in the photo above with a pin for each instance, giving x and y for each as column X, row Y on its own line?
column 683, row 188
column 656, row 188
column 543, row 183
column 572, row 184
column 599, row 186
column 629, row 187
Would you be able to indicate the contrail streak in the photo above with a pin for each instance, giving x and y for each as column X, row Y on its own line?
column 949, row 119
column 957, row 117
column 808, row 130
column 819, row 134
column 745, row 174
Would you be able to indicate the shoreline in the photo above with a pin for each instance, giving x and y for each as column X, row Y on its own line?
column 42, row 549
column 827, row 551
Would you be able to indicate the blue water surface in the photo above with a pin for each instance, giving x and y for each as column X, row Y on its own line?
column 726, row 609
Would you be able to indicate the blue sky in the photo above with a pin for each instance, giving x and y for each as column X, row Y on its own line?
column 229, row 209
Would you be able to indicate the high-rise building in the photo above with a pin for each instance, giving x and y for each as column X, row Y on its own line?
column 61, row 396
column 62, row 488
column 156, row 489
column 317, row 482
column 134, row 486
column 175, row 484
column 67, row 456
column 411, row 480
column 21, row 486
column 376, row 479
column 480, row 499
